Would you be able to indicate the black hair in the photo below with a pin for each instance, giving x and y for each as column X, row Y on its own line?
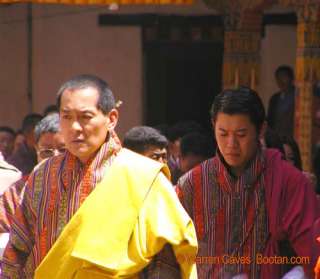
column 30, row 121
column 49, row 124
column 273, row 140
column 50, row 109
column 140, row 138
column 197, row 144
column 295, row 150
column 106, row 100
column 7, row 130
column 240, row 101
column 286, row 70
column 180, row 129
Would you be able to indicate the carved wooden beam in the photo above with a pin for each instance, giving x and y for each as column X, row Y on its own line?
column 307, row 76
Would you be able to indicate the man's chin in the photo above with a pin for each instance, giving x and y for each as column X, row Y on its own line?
column 80, row 152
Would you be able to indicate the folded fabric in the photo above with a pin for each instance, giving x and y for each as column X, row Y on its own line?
column 122, row 225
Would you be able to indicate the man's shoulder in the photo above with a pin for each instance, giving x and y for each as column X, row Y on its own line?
column 48, row 167
column 283, row 173
column 195, row 176
column 138, row 164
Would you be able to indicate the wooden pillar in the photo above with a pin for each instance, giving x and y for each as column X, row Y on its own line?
column 307, row 74
column 241, row 61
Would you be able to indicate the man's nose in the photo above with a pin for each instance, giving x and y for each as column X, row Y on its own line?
column 76, row 126
column 232, row 141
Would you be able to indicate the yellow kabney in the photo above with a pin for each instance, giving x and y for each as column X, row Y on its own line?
column 122, row 224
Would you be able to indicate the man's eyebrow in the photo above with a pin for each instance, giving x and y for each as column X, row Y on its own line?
column 81, row 111
column 238, row 130
column 242, row 130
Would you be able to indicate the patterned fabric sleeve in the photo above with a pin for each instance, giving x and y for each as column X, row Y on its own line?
column 21, row 239
column 9, row 201
column 184, row 191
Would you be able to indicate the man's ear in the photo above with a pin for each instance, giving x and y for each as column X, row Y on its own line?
column 113, row 116
column 263, row 130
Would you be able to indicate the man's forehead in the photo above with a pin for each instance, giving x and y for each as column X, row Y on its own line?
column 84, row 109
column 86, row 96
column 155, row 149
column 51, row 138
column 237, row 122
column 232, row 118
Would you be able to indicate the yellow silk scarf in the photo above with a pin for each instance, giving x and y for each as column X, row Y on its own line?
column 122, row 224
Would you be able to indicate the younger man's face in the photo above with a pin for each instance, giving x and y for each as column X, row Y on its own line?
column 237, row 139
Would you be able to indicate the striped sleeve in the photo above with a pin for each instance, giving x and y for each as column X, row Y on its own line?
column 21, row 239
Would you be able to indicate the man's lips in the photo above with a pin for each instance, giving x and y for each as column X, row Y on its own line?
column 77, row 141
column 233, row 155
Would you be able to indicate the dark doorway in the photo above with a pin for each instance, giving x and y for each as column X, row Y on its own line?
column 182, row 64
column 181, row 80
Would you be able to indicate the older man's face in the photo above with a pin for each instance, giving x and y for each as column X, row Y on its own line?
column 49, row 144
column 83, row 125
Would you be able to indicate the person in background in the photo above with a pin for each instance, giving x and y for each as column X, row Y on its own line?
column 175, row 133
column 292, row 151
column 282, row 104
column 49, row 139
column 7, row 137
column 49, row 142
column 18, row 141
column 194, row 149
column 50, row 109
column 246, row 200
column 272, row 140
column 148, row 142
column 25, row 157
column 95, row 210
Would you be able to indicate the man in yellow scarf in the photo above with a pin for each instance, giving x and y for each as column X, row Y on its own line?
column 98, row 211
column 122, row 225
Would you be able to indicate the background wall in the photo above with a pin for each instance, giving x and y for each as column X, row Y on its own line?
column 278, row 47
column 67, row 40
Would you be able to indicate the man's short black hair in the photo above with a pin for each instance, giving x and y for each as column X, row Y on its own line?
column 7, row 130
column 286, row 70
column 197, row 144
column 30, row 121
column 49, row 124
column 106, row 100
column 183, row 128
column 240, row 101
column 50, row 109
column 140, row 138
